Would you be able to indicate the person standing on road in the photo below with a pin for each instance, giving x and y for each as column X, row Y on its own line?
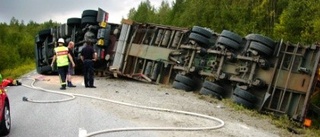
column 70, row 67
column 88, row 56
column 61, row 54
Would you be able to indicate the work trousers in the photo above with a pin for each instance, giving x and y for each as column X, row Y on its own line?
column 88, row 73
column 63, row 75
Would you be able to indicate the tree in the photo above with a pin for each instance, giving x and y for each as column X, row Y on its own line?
column 297, row 22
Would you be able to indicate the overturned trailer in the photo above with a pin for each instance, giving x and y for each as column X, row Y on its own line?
column 254, row 71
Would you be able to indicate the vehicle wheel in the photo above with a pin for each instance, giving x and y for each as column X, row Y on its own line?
column 202, row 31
column 245, row 95
column 74, row 21
column 88, row 20
column 89, row 13
column 228, row 43
column 242, row 102
column 233, row 36
column 185, row 80
column 213, row 87
column 6, row 121
column 179, row 85
column 261, row 48
column 201, row 40
column 43, row 34
column 44, row 70
column 262, row 39
column 205, row 91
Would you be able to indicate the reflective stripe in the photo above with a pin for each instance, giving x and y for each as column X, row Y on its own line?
column 62, row 56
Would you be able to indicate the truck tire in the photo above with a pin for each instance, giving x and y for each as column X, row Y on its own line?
column 43, row 34
column 185, row 80
column 262, row 39
column 88, row 20
column 228, row 43
column 245, row 95
column 44, row 69
column 201, row 40
column 179, row 85
column 233, row 36
column 261, row 48
column 241, row 101
column 202, row 31
column 89, row 13
column 213, row 87
column 204, row 91
column 74, row 22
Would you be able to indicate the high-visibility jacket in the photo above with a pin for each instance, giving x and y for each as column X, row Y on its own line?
column 62, row 55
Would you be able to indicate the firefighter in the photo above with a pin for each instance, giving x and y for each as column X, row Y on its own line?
column 61, row 55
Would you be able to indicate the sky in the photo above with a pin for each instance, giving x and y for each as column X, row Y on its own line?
column 60, row 10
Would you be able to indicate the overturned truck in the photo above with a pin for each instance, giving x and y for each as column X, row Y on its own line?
column 254, row 71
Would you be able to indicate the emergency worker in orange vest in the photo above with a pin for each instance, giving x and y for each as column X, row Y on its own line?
column 61, row 55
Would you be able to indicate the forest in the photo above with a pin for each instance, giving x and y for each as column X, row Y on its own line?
column 17, row 45
column 297, row 21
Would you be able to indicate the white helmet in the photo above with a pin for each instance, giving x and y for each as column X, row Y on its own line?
column 61, row 40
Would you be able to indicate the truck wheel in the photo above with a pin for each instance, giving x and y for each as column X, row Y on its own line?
column 205, row 91
column 245, row 95
column 88, row 20
column 89, row 13
column 228, row 43
column 201, row 40
column 262, row 39
column 43, row 34
column 202, row 31
column 185, row 80
column 74, row 21
column 179, row 85
column 213, row 87
column 233, row 36
column 261, row 48
column 44, row 69
column 242, row 102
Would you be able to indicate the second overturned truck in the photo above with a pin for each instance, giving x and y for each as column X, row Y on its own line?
column 254, row 71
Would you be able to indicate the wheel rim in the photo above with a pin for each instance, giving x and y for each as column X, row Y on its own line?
column 7, row 117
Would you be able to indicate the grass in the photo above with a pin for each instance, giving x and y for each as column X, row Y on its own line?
column 16, row 72
column 282, row 122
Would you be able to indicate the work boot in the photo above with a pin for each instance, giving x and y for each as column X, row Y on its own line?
column 70, row 84
column 63, row 88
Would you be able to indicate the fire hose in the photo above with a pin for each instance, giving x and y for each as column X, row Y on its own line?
column 73, row 96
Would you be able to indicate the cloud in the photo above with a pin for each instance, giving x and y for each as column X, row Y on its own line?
column 60, row 10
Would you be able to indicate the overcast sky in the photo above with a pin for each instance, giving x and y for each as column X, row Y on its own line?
column 60, row 10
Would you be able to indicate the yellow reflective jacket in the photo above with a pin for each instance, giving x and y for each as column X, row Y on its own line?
column 62, row 56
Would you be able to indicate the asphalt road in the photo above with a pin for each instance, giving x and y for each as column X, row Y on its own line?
column 61, row 119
